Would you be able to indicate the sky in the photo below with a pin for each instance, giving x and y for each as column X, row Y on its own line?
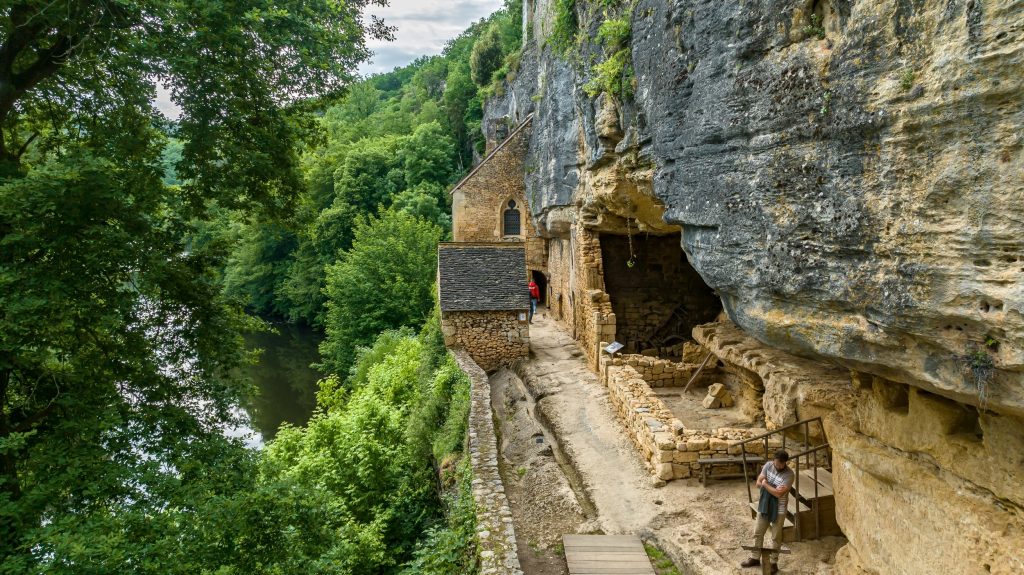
column 423, row 28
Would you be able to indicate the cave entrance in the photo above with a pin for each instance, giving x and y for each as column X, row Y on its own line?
column 542, row 284
column 655, row 293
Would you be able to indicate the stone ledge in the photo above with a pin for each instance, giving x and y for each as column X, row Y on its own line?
column 496, row 538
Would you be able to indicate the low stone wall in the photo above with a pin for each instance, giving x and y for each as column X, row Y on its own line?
column 670, row 450
column 492, row 338
column 659, row 372
column 496, row 537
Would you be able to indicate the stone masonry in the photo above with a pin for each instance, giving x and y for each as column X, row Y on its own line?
column 655, row 293
column 484, row 301
column 491, row 337
column 481, row 198
column 496, row 537
column 670, row 450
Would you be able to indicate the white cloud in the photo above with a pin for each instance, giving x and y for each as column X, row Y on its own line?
column 164, row 104
column 423, row 28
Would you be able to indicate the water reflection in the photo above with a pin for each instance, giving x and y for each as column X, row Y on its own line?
column 286, row 384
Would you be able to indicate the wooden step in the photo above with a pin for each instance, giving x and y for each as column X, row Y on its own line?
column 824, row 476
column 606, row 555
column 788, row 528
column 807, row 484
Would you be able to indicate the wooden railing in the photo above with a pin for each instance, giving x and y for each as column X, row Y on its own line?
column 807, row 453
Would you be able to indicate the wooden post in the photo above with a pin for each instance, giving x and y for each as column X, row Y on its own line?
column 766, row 556
column 696, row 373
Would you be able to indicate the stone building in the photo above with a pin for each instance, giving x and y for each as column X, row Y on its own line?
column 484, row 300
column 489, row 204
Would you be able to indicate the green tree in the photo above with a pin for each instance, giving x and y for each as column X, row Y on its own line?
column 258, row 265
column 356, row 453
column 425, row 201
column 370, row 174
column 427, row 155
column 486, row 57
column 383, row 282
column 115, row 338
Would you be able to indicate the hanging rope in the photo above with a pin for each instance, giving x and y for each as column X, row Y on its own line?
column 632, row 255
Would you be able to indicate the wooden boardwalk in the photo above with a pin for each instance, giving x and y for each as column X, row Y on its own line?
column 606, row 555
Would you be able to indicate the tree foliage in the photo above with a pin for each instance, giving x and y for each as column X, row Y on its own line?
column 371, row 451
column 486, row 57
column 115, row 338
column 384, row 281
column 128, row 243
column 396, row 140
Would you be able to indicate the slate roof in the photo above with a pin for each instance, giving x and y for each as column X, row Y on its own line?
column 482, row 277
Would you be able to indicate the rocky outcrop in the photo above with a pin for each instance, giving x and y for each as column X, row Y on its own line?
column 924, row 486
column 792, row 388
column 850, row 185
column 848, row 176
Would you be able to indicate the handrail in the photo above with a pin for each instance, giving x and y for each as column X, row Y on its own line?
column 783, row 428
column 805, row 424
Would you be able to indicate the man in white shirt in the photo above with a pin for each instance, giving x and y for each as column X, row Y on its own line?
column 776, row 478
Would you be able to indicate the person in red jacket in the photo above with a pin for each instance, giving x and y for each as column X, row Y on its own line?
column 534, row 298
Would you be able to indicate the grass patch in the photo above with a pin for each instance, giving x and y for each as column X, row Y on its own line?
column 663, row 565
column 907, row 79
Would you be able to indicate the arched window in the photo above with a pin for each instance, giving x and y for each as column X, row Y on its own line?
column 511, row 222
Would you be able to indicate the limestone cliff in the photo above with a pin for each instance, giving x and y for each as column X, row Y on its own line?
column 848, row 175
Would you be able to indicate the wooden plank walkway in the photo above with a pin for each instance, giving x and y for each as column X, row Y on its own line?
column 606, row 555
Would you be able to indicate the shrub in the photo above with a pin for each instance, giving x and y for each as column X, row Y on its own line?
column 563, row 32
column 907, row 79
column 486, row 57
column 614, row 74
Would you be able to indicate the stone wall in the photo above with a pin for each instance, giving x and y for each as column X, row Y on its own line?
column 496, row 537
column 659, row 372
column 660, row 297
column 492, row 338
column 670, row 450
column 560, row 281
column 593, row 319
column 479, row 201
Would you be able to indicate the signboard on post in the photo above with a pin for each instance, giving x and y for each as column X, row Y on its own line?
column 614, row 348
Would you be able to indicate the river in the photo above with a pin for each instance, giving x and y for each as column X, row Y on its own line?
column 286, row 385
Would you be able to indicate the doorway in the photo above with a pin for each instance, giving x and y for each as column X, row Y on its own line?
column 542, row 284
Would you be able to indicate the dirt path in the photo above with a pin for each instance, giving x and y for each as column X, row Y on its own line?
column 701, row 528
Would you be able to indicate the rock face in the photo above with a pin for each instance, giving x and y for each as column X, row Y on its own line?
column 850, row 185
column 924, row 487
column 848, row 176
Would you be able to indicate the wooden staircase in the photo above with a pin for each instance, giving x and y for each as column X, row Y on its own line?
column 817, row 496
column 811, row 509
